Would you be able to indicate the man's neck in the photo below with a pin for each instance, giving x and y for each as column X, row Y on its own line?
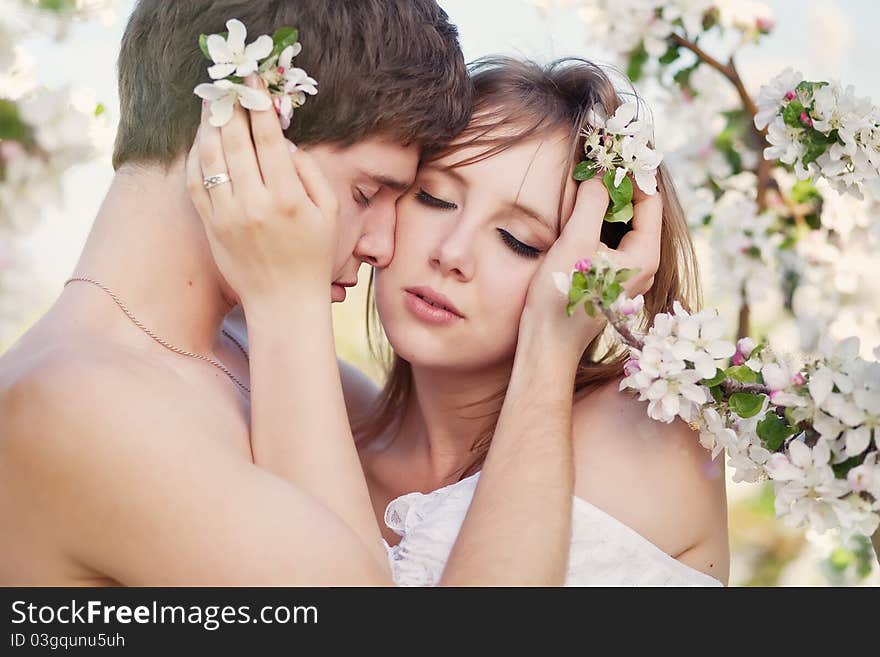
column 149, row 247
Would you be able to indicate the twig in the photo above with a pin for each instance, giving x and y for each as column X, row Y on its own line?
column 764, row 168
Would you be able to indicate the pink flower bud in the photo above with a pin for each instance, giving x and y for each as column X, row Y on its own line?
column 9, row 150
column 631, row 367
column 745, row 346
column 738, row 359
column 765, row 23
column 584, row 265
column 789, row 96
column 281, row 70
column 806, row 120
column 774, row 395
column 798, row 379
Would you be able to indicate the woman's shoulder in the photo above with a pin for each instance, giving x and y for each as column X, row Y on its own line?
column 652, row 476
column 608, row 418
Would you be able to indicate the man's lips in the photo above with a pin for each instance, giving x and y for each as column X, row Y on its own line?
column 434, row 298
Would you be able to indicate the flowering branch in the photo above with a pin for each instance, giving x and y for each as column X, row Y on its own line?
column 814, row 430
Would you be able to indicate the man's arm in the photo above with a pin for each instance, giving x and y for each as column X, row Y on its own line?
column 140, row 492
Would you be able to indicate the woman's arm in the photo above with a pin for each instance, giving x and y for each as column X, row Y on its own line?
column 518, row 528
column 272, row 234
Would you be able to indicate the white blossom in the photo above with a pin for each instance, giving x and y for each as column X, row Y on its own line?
column 222, row 96
column 231, row 56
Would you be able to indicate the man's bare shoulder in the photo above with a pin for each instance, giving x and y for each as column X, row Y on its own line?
column 64, row 395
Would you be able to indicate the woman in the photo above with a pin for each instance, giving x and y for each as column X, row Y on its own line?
column 475, row 235
column 650, row 504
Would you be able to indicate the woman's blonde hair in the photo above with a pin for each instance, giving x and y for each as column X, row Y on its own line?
column 530, row 101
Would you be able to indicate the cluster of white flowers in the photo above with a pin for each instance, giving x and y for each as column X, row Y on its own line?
column 821, row 129
column 269, row 57
column 622, row 144
column 56, row 16
column 60, row 129
column 814, row 429
column 742, row 240
column 678, row 352
column 625, row 25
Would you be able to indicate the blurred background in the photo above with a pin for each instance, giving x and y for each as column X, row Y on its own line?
column 826, row 39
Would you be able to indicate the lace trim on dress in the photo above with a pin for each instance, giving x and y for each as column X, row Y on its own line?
column 604, row 551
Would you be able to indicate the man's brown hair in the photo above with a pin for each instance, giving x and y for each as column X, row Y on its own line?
column 385, row 67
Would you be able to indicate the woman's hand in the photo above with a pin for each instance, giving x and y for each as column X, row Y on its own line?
column 639, row 249
column 272, row 227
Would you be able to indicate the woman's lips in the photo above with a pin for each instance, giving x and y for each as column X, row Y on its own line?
column 425, row 311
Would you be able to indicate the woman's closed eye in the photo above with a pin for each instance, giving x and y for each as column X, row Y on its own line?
column 518, row 247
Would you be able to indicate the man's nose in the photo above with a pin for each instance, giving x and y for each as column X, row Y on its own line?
column 376, row 245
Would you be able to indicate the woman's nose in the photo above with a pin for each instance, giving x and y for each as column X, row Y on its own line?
column 453, row 255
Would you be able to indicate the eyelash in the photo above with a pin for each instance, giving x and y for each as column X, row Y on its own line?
column 514, row 244
column 518, row 247
column 362, row 199
column 424, row 197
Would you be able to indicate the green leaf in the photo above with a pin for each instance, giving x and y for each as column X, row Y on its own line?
column 804, row 191
column 584, row 171
column 636, row 64
column 841, row 469
column 100, row 109
column 284, row 37
column 575, row 295
column 203, row 46
column 788, row 243
column 11, row 125
column 620, row 195
column 717, row 393
column 813, row 220
column 623, row 275
column 792, row 114
column 745, row 404
column 773, row 430
column 670, row 55
column 579, row 281
column 715, row 380
column 814, row 148
column 610, row 294
column 683, row 77
column 590, row 309
column 622, row 215
column 742, row 374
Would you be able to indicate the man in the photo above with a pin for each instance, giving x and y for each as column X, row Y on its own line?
column 124, row 462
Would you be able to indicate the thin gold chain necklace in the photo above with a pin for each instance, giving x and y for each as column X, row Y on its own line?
column 177, row 350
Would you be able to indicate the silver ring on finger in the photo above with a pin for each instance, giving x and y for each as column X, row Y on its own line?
column 217, row 179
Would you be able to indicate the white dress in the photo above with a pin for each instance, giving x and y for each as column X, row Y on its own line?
column 604, row 551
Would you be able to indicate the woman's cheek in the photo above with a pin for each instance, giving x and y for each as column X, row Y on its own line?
column 507, row 299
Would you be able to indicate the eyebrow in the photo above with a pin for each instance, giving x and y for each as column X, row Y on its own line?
column 388, row 181
column 526, row 210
